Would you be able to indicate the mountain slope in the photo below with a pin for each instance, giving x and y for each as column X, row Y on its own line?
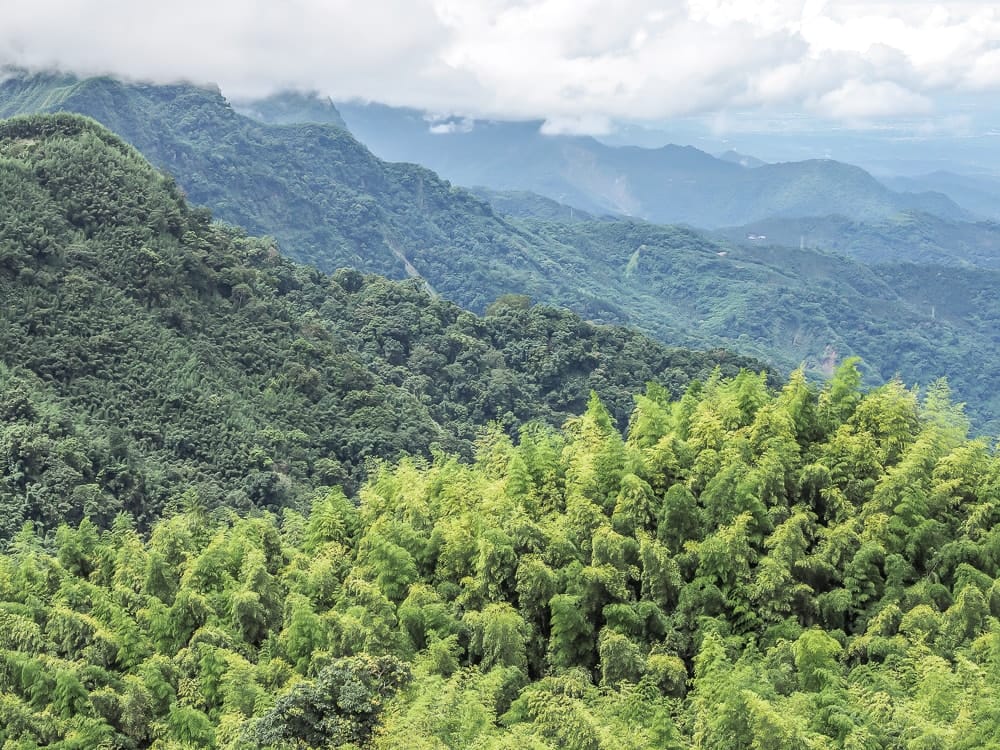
column 325, row 198
column 672, row 184
column 145, row 351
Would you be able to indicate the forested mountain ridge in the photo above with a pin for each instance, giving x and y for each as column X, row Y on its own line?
column 672, row 184
column 146, row 350
column 742, row 569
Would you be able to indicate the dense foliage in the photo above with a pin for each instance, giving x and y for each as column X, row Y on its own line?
column 143, row 348
column 743, row 569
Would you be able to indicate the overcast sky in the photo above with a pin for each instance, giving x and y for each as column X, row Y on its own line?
column 579, row 64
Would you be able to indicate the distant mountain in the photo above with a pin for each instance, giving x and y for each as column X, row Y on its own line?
column 292, row 108
column 523, row 204
column 907, row 237
column 749, row 162
column 672, row 184
column 980, row 194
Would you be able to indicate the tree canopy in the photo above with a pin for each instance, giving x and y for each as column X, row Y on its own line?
column 742, row 568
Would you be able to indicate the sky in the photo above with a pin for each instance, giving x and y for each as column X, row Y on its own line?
column 582, row 66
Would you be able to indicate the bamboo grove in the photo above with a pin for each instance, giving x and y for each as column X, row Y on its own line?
column 744, row 568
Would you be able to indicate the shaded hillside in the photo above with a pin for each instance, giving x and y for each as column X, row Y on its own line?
column 146, row 350
column 672, row 184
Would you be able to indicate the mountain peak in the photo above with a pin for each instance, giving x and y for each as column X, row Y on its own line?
column 292, row 108
column 744, row 160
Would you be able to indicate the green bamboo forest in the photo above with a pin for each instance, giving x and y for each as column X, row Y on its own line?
column 249, row 504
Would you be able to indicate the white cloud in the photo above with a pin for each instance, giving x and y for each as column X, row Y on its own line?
column 449, row 126
column 577, row 64
column 860, row 101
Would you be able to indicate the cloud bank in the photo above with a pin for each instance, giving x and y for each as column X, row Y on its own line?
column 578, row 64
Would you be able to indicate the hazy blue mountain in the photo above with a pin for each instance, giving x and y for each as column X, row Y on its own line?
column 897, row 148
column 744, row 160
column 913, row 237
column 291, row 107
column 670, row 184
column 523, row 204
column 979, row 193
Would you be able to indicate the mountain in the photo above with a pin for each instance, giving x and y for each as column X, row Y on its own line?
column 292, row 108
column 523, row 204
column 979, row 193
column 145, row 350
column 744, row 160
column 672, row 184
column 910, row 237
column 329, row 202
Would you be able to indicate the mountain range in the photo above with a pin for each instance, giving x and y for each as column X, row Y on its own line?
column 327, row 201
column 671, row 184
column 254, row 493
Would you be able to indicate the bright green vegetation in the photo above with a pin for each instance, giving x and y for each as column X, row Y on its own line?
column 743, row 569
column 329, row 202
column 145, row 349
